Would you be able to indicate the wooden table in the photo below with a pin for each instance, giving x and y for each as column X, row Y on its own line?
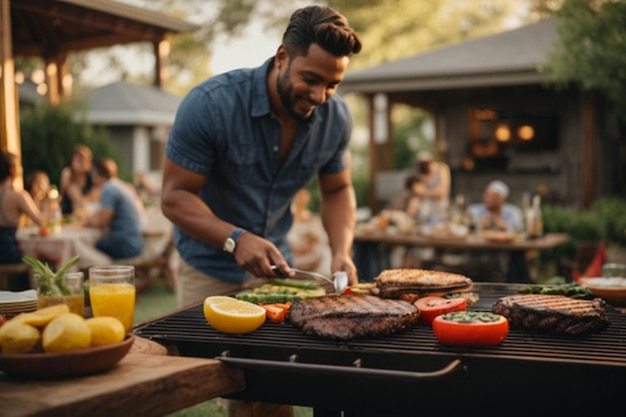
column 470, row 243
column 140, row 385
column 60, row 247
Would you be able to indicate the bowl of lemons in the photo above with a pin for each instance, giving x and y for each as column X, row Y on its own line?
column 53, row 343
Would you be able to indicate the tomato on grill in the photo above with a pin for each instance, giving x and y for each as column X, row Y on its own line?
column 431, row 307
column 471, row 328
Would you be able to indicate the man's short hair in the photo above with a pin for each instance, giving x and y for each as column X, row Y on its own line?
column 107, row 168
column 321, row 25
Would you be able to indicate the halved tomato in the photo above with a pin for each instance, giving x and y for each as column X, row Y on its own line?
column 471, row 328
column 431, row 307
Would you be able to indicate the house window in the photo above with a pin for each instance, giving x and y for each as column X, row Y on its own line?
column 493, row 136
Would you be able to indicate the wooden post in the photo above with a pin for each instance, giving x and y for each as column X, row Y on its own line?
column 588, row 158
column 9, row 137
column 161, row 55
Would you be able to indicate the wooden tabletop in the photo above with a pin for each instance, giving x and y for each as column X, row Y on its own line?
column 470, row 242
column 140, row 385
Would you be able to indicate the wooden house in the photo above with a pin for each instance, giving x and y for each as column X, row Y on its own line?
column 496, row 116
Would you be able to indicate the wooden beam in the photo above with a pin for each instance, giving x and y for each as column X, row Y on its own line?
column 161, row 62
column 588, row 161
column 9, row 139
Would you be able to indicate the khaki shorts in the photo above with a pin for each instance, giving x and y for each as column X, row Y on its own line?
column 193, row 286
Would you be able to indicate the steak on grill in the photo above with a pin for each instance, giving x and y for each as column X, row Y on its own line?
column 342, row 317
column 553, row 313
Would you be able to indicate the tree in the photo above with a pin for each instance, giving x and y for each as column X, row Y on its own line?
column 49, row 135
column 590, row 48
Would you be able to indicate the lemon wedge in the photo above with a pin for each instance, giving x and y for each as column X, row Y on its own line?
column 105, row 330
column 67, row 331
column 230, row 315
column 18, row 337
column 43, row 316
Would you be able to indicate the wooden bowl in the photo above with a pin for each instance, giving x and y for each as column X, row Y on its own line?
column 66, row 364
column 611, row 290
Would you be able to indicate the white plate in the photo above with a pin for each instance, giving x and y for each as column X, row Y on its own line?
column 17, row 296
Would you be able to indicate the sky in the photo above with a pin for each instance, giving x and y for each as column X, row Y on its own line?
column 250, row 50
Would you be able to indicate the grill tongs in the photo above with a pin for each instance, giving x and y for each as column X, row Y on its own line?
column 339, row 281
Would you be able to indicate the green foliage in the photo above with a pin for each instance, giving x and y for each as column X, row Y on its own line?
column 590, row 48
column 49, row 135
column 605, row 220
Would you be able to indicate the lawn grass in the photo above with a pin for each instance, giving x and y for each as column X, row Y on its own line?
column 157, row 300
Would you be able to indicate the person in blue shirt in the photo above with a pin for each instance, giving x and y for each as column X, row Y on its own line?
column 117, row 215
column 495, row 213
column 244, row 142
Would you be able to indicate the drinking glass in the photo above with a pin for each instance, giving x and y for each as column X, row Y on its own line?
column 610, row 270
column 112, row 292
column 73, row 294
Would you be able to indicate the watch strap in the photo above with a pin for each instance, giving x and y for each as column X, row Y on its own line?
column 236, row 233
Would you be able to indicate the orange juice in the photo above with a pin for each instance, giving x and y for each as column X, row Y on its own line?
column 116, row 300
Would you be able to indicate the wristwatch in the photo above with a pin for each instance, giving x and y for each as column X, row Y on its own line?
column 231, row 243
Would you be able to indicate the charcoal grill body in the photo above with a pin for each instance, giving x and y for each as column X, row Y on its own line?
column 410, row 373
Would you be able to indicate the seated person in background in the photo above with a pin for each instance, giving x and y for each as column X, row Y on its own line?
column 117, row 215
column 433, row 186
column 13, row 204
column 77, row 188
column 408, row 201
column 38, row 184
column 494, row 213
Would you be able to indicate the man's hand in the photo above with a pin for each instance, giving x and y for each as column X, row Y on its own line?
column 257, row 256
column 344, row 263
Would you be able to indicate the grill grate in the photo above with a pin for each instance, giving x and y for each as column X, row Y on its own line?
column 409, row 371
column 189, row 328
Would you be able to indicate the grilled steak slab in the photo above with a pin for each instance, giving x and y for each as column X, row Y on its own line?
column 392, row 283
column 553, row 313
column 341, row 317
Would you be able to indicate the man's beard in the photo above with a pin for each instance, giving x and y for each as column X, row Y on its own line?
column 285, row 90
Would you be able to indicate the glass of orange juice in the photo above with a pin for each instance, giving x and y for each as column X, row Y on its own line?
column 112, row 292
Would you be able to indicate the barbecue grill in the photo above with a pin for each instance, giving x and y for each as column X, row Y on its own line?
column 410, row 373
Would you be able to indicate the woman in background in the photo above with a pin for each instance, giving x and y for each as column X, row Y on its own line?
column 77, row 189
column 38, row 185
column 13, row 204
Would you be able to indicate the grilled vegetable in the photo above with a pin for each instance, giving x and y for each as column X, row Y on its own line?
column 471, row 328
column 568, row 290
column 266, row 298
column 431, row 307
column 296, row 283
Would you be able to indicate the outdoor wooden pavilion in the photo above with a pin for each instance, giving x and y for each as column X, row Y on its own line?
column 51, row 29
column 480, row 94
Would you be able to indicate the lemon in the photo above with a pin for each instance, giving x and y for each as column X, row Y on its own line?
column 67, row 331
column 105, row 330
column 18, row 337
column 43, row 316
column 230, row 315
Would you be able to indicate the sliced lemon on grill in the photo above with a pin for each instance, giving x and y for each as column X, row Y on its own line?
column 230, row 315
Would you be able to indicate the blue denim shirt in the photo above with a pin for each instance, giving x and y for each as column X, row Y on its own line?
column 225, row 130
column 511, row 214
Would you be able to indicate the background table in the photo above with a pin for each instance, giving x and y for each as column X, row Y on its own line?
column 367, row 247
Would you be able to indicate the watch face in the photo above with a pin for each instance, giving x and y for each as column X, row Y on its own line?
column 229, row 245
